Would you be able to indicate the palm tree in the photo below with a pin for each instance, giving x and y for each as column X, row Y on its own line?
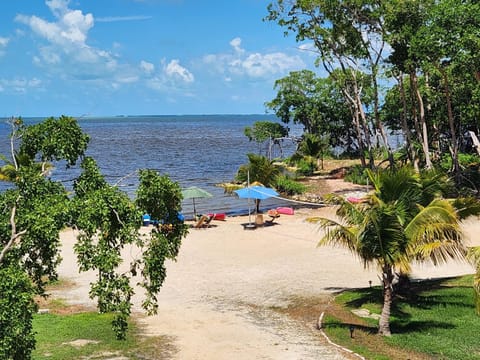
column 259, row 169
column 9, row 170
column 393, row 227
column 314, row 146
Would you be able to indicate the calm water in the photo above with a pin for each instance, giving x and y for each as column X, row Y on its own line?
column 198, row 151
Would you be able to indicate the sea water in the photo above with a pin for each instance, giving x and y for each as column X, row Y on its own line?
column 193, row 150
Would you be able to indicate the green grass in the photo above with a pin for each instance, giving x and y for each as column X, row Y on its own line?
column 54, row 332
column 436, row 319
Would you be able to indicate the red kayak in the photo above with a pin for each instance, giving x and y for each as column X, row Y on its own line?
column 218, row 216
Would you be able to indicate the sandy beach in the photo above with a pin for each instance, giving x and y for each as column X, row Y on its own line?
column 221, row 297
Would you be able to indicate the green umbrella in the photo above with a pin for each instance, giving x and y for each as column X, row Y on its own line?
column 193, row 193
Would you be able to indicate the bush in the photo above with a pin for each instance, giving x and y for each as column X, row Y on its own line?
column 357, row 174
column 306, row 167
column 289, row 186
column 17, row 307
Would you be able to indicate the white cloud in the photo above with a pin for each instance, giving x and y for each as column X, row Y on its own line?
column 171, row 78
column 123, row 18
column 175, row 70
column 4, row 41
column 235, row 43
column 147, row 67
column 253, row 65
column 19, row 85
column 66, row 43
column 3, row 44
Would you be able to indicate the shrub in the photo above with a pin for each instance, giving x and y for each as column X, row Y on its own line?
column 306, row 167
column 357, row 174
column 16, row 314
column 289, row 186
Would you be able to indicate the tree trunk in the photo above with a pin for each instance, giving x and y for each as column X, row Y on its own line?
column 378, row 122
column 366, row 130
column 356, row 124
column 423, row 124
column 406, row 131
column 451, row 122
column 384, row 322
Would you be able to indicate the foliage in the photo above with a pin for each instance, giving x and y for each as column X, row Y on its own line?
column 36, row 208
column 262, row 131
column 357, row 174
column 161, row 198
column 54, row 139
column 315, row 103
column 259, row 169
column 430, row 48
column 349, row 39
column 306, row 166
column 16, row 312
column 288, row 186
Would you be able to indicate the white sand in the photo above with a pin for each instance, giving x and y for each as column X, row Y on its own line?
column 216, row 301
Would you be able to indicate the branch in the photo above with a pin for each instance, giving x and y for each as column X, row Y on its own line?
column 12, row 147
column 14, row 237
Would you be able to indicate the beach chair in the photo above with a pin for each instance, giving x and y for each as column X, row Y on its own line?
column 203, row 222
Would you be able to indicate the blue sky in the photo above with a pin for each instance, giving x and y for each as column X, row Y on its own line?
column 130, row 57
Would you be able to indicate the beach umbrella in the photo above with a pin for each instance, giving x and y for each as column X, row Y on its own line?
column 193, row 193
column 257, row 193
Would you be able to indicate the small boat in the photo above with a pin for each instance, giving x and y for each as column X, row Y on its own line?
column 220, row 216
column 285, row 210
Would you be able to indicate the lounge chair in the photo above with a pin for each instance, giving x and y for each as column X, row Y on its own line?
column 203, row 222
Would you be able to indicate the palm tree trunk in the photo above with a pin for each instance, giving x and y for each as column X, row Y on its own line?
column 384, row 322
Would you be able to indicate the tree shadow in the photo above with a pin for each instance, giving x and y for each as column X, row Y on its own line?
column 418, row 296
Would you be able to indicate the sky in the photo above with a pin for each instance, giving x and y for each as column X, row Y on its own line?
column 141, row 57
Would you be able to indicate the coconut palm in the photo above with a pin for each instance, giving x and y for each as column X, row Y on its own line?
column 260, row 170
column 393, row 227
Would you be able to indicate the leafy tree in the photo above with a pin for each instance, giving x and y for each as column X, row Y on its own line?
column 349, row 37
column 317, row 104
column 402, row 221
column 108, row 222
column 35, row 210
column 262, row 131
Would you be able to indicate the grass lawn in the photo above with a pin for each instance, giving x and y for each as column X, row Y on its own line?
column 434, row 320
column 90, row 336
column 74, row 332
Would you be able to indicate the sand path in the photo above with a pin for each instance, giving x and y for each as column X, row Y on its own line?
column 217, row 300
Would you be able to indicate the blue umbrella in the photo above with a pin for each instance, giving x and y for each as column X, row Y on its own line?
column 256, row 192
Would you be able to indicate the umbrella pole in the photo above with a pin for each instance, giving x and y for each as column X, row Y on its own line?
column 194, row 211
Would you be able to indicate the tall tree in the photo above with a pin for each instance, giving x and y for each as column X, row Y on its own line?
column 349, row 37
column 263, row 131
column 317, row 104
